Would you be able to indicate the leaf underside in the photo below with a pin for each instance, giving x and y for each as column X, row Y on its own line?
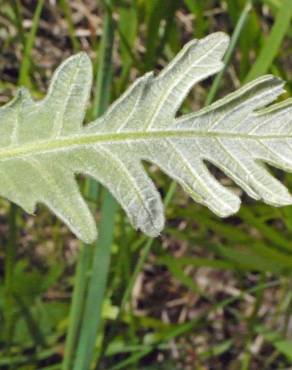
column 43, row 145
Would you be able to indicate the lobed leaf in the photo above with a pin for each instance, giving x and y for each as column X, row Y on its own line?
column 43, row 144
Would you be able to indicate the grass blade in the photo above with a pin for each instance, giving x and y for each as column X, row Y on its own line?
column 94, row 300
column 233, row 42
column 77, row 305
column 8, row 278
column 273, row 42
column 23, row 79
column 68, row 16
column 26, row 62
column 80, row 302
column 91, row 319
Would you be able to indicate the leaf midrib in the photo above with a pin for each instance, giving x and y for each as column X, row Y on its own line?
column 68, row 142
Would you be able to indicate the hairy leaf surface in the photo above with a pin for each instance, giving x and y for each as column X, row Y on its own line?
column 44, row 144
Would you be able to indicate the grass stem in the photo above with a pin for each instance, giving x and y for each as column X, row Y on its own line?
column 87, row 302
column 273, row 42
column 24, row 79
column 8, row 279
column 233, row 42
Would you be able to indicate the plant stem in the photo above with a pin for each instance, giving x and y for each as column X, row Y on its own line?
column 273, row 41
column 88, row 294
column 15, row 4
column 233, row 42
column 97, row 284
column 29, row 42
column 77, row 305
column 68, row 16
column 12, row 241
column 8, row 280
column 104, row 72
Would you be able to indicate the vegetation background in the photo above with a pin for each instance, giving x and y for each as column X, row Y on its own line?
column 209, row 293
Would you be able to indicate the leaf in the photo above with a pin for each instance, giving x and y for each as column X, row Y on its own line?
column 43, row 144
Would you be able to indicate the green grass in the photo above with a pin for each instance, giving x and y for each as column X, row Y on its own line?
column 273, row 42
column 27, row 42
column 128, row 301
column 86, row 319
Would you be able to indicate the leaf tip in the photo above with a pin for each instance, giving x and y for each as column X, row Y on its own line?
column 219, row 36
column 230, row 208
column 82, row 59
column 218, row 43
column 155, row 230
column 219, row 39
column 282, row 200
column 151, row 225
column 89, row 237
column 83, row 56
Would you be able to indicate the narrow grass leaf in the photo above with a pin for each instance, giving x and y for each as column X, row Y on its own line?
column 273, row 42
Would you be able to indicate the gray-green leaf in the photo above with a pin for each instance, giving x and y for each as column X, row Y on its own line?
column 43, row 145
